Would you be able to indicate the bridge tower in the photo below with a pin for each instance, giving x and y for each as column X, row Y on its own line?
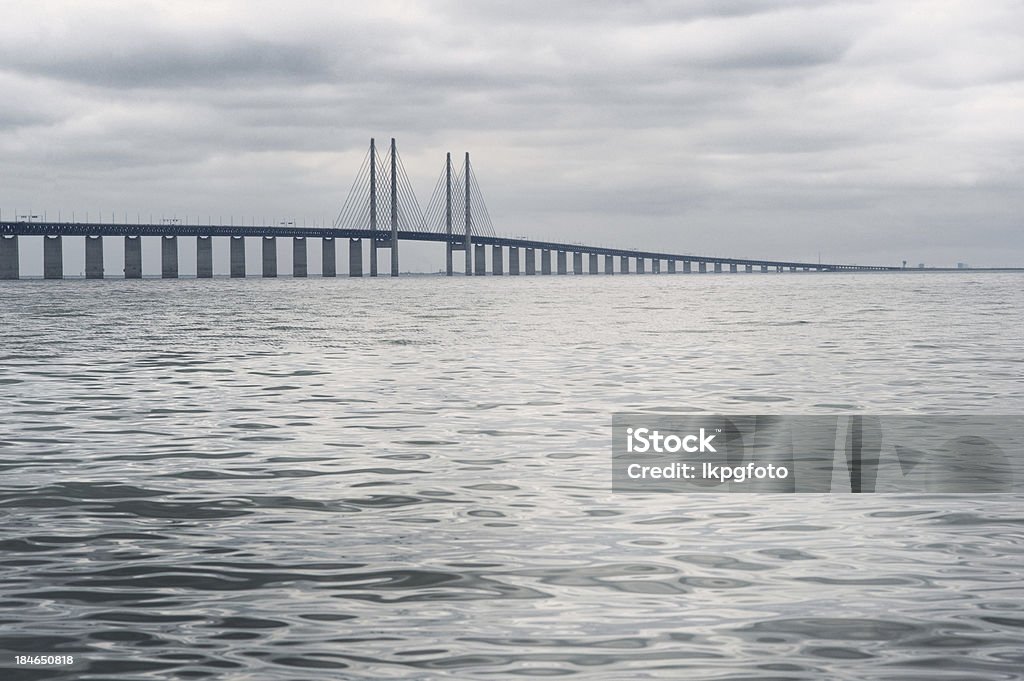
column 448, row 212
column 373, row 208
column 469, row 221
column 394, row 210
column 378, row 241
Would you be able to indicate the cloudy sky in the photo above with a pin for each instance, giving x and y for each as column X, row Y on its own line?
column 866, row 131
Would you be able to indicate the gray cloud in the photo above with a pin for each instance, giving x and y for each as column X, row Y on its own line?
column 162, row 61
column 873, row 131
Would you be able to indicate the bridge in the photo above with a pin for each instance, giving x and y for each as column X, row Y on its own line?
column 455, row 216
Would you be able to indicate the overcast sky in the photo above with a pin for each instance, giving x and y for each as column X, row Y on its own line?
column 866, row 131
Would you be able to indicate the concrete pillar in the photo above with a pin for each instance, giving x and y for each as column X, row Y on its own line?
column 237, row 244
column 624, row 264
column 656, row 265
column 380, row 244
column 748, row 269
column 609, row 264
column 640, row 266
column 204, row 257
column 687, row 267
column 592, row 265
column 355, row 257
column 513, row 260
column 778, row 268
column 300, row 267
column 169, row 257
column 53, row 257
column 93, row 257
column 577, row 263
column 133, row 257
column 671, row 266
column 531, row 261
column 479, row 260
column 702, row 267
column 330, row 257
column 545, row 261
column 497, row 267
column 9, row 268
column 718, row 267
column 732, row 267
column 764, row 268
column 269, row 256
column 562, row 269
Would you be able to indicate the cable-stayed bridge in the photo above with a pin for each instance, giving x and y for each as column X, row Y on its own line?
column 381, row 210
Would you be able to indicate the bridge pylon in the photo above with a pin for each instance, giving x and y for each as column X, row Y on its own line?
column 381, row 188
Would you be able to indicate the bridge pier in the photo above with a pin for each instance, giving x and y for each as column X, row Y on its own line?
column 609, row 264
column 640, row 266
column 732, row 267
column 93, row 257
column 169, row 257
column 577, row 263
column 9, row 267
column 480, row 260
column 513, row 260
column 204, row 257
column 687, row 267
column 133, row 257
column 624, row 264
column 778, row 268
column 329, row 254
column 53, row 257
column 300, row 254
column 671, row 266
column 562, row 269
column 545, row 261
column 382, row 243
column 749, row 268
column 497, row 264
column 269, row 257
column 450, row 249
column 655, row 265
column 718, row 268
column 237, row 244
column 764, row 268
column 355, row 257
column 593, row 263
column 702, row 267
column 531, row 261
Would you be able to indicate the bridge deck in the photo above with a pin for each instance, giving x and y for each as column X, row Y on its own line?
column 100, row 229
